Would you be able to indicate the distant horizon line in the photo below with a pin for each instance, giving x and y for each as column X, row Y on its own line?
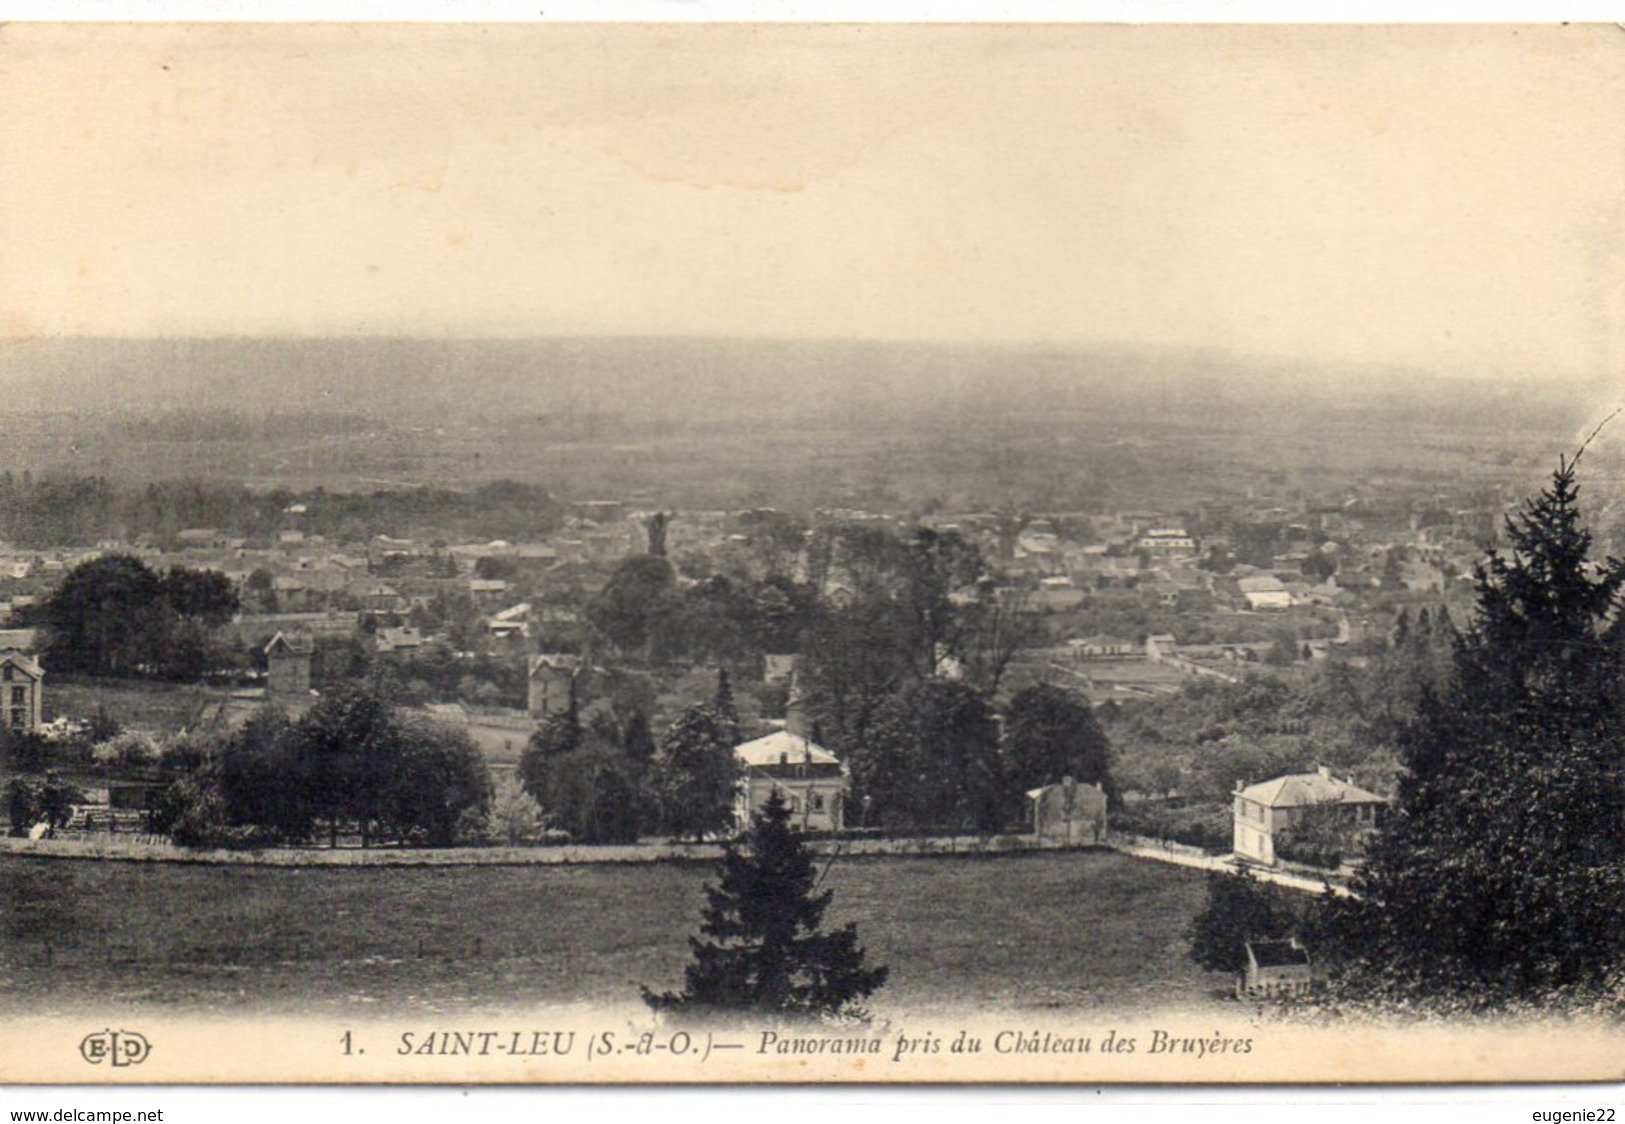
column 1079, row 345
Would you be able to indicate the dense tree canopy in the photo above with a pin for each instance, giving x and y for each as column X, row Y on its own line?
column 347, row 742
column 857, row 656
column 103, row 617
column 351, row 763
column 695, row 774
column 265, row 776
column 1051, row 733
column 437, row 788
column 584, row 778
column 115, row 615
column 932, row 759
column 1502, row 873
column 1239, row 909
column 595, row 795
column 634, row 601
column 33, row 800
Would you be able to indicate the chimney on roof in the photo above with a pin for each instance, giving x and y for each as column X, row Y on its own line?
column 1325, row 771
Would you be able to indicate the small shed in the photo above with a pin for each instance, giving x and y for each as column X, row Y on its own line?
column 1275, row 969
column 1069, row 811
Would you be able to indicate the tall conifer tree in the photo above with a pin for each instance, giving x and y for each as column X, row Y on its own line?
column 762, row 947
column 1501, row 873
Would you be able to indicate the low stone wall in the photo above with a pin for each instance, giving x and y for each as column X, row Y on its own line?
column 128, row 850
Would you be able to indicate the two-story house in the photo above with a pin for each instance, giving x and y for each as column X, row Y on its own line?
column 1264, row 811
column 21, row 682
column 811, row 779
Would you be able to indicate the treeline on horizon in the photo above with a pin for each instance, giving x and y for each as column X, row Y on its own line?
column 242, row 425
column 67, row 510
column 655, row 381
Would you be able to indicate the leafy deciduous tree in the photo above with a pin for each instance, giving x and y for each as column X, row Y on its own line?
column 102, row 618
column 114, row 615
column 1239, row 909
column 638, row 594
column 932, row 759
column 351, row 759
column 437, row 787
column 594, row 795
column 515, row 816
column 1051, row 733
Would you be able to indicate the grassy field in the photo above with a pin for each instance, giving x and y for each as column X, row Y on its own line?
column 1077, row 930
column 501, row 744
column 162, row 707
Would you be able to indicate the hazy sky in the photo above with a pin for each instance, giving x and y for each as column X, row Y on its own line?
column 1446, row 197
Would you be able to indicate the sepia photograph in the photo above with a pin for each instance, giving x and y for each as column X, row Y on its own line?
column 771, row 553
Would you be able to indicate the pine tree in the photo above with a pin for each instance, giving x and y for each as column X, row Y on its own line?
column 1402, row 628
column 1501, row 873
column 722, row 705
column 762, row 949
column 638, row 740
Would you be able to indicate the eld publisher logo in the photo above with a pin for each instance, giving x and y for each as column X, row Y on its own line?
column 120, row 1047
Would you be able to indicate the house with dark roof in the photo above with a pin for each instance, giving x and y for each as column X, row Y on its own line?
column 1263, row 812
column 1275, row 970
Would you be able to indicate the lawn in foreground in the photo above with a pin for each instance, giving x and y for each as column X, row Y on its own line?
column 1013, row 932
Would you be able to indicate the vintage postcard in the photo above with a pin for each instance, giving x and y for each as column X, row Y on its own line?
column 766, row 553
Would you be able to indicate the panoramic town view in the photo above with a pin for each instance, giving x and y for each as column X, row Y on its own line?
column 545, row 705
column 1020, row 642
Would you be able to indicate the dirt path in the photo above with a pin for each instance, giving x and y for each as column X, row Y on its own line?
column 1225, row 864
